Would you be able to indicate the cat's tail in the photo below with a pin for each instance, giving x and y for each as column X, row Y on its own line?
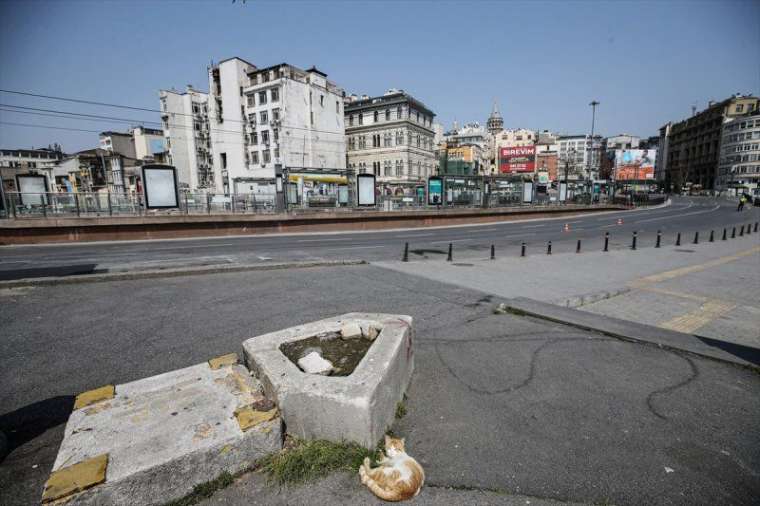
column 363, row 470
column 378, row 490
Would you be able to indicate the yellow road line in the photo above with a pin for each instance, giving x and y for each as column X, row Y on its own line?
column 675, row 273
column 673, row 293
column 706, row 313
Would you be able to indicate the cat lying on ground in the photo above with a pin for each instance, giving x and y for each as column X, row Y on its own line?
column 398, row 477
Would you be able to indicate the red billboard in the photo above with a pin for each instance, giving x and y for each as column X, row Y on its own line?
column 517, row 159
column 634, row 172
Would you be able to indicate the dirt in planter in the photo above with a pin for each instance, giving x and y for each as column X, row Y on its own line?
column 344, row 355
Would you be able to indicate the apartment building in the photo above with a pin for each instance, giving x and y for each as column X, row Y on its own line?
column 582, row 157
column 739, row 165
column 41, row 162
column 294, row 123
column 693, row 145
column 184, row 117
column 392, row 137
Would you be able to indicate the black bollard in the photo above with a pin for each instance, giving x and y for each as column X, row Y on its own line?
column 724, row 235
column 741, row 231
column 678, row 239
column 493, row 252
column 749, row 228
column 659, row 238
column 733, row 233
column 696, row 237
column 578, row 246
column 449, row 258
column 633, row 241
column 406, row 252
column 606, row 241
column 549, row 248
column 522, row 249
column 755, row 226
column 712, row 235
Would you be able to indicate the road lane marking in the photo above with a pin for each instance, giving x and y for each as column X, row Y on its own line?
column 359, row 247
column 675, row 273
column 411, row 236
column 536, row 226
column 694, row 320
column 451, row 240
column 325, row 240
column 678, row 215
column 198, row 246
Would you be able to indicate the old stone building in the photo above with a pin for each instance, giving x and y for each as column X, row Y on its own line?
column 390, row 136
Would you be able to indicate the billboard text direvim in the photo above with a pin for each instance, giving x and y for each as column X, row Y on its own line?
column 517, row 159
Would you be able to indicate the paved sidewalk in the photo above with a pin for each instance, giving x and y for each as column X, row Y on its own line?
column 711, row 289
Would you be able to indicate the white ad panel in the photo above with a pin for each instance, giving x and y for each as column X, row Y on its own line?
column 366, row 184
column 562, row 192
column 33, row 190
column 160, row 186
column 528, row 192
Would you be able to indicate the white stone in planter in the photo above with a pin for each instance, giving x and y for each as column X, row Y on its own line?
column 350, row 330
column 313, row 363
column 359, row 407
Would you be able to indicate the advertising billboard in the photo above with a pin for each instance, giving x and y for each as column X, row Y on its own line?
column 435, row 191
column 33, row 189
column 517, row 159
column 160, row 186
column 634, row 164
column 366, row 189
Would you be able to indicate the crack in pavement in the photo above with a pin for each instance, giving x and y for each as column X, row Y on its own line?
column 666, row 390
column 531, row 370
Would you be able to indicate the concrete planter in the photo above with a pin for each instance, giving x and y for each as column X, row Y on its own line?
column 359, row 407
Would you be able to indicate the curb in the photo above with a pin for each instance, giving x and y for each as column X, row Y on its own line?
column 635, row 332
column 590, row 298
column 170, row 273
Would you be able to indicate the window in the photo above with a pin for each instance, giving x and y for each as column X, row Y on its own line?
column 254, row 138
column 399, row 138
column 276, row 114
column 251, row 101
column 322, row 100
column 275, row 92
column 739, row 107
column 255, row 157
column 351, row 143
column 276, row 153
column 418, row 116
column 337, row 106
column 387, row 115
column 361, row 118
column 398, row 112
column 387, row 168
column 276, row 134
column 265, row 136
column 263, row 117
column 418, row 140
column 197, row 126
column 262, row 97
column 195, row 108
column 267, row 156
column 399, row 168
column 351, row 120
column 377, row 115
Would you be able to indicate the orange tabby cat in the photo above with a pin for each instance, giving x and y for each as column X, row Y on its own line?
column 398, row 477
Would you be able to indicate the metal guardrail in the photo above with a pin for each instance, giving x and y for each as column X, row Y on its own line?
column 102, row 204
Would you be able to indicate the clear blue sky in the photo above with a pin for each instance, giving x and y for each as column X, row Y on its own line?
column 646, row 62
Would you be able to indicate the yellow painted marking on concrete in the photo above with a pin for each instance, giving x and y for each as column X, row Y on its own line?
column 248, row 417
column 675, row 273
column 75, row 478
column 93, row 396
column 229, row 359
column 706, row 313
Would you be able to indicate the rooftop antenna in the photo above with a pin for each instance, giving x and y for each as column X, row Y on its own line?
column 694, row 109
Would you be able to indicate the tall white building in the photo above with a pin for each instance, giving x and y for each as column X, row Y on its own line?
column 186, row 128
column 576, row 151
column 739, row 163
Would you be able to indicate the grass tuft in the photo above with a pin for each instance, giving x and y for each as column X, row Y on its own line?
column 400, row 410
column 308, row 460
column 204, row 490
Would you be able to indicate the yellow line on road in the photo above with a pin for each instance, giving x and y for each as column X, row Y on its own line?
column 675, row 273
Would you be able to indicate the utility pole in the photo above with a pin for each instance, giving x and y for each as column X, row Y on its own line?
column 593, row 105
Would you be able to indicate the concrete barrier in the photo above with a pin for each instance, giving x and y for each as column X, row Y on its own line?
column 43, row 230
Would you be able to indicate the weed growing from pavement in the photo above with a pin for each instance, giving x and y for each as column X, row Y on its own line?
column 207, row 489
column 307, row 460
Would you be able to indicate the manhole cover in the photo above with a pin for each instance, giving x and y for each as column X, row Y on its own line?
column 685, row 250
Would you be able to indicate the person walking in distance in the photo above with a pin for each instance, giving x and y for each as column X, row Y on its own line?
column 742, row 200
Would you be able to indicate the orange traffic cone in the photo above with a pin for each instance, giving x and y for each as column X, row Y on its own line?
column 567, row 227
column 620, row 221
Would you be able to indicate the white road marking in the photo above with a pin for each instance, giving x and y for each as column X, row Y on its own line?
column 411, row 236
column 535, row 226
column 360, row 247
column 451, row 240
column 679, row 215
column 325, row 240
column 180, row 247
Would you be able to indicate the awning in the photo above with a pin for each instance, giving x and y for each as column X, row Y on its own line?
column 321, row 178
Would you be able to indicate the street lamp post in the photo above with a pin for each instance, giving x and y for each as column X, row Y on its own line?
column 593, row 105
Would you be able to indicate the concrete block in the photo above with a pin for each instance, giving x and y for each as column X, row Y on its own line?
column 313, row 363
column 358, row 407
column 165, row 434
column 350, row 330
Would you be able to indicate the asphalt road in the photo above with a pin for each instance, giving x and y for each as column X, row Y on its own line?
column 500, row 406
column 686, row 215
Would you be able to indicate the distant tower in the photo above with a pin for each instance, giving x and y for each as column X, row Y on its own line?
column 495, row 123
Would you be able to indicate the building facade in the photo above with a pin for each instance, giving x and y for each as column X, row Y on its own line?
column 186, row 130
column 580, row 155
column 41, row 162
column 739, row 165
column 693, row 145
column 392, row 137
column 623, row 141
